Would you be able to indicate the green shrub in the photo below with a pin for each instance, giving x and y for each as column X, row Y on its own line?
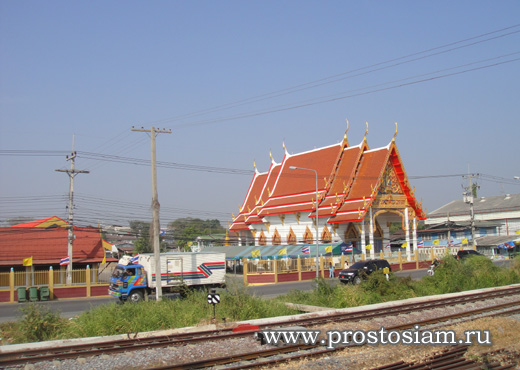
column 38, row 324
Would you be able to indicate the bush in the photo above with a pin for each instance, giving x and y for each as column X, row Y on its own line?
column 37, row 324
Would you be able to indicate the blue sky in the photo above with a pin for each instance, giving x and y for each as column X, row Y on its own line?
column 447, row 72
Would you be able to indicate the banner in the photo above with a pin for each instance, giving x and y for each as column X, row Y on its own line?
column 282, row 252
column 328, row 249
column 64, row 261
column 255, row 253
column 27, row 261
column 306, row 250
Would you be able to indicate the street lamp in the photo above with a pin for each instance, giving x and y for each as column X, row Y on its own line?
column 317, row 235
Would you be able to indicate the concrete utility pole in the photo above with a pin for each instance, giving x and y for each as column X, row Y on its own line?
column 72, row 173
column 470, row 199
column 155, row 208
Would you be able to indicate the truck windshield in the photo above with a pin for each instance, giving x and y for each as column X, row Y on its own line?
column 118, row 272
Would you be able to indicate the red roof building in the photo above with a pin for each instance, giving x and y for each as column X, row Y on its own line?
column 48, row 244
column 360, row 192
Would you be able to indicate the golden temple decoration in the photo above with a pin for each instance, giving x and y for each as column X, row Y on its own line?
column 366, row 132
column 267, row 226
column 282, row 219
column 232, row 216
column 240, row 208
column 335, row 228
column 395, row 134
column 298, row 215
column 284, row 148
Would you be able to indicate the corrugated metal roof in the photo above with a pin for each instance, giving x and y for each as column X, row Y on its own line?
column 508, row 202
column 48, row 244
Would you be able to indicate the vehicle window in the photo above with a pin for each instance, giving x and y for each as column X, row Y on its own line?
column 118, row 272
column 358, row 265
column 138, row 271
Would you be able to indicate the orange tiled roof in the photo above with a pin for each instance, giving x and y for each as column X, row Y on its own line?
column 348, row 179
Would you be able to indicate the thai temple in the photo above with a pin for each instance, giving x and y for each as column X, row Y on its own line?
column 344, row 194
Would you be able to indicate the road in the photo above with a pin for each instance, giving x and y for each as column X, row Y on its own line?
column 73, row 307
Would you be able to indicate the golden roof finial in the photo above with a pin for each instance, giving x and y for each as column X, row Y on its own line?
column 271, row 155
column 345, row 136
column 284, row 148
column 232, row 216
column 366, row 132
column 395, row 134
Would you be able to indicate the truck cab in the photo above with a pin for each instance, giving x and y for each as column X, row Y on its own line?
column 128, row 282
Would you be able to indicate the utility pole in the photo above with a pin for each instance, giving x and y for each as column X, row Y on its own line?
column 155, row 208
column 469, row 198
column 72, row 173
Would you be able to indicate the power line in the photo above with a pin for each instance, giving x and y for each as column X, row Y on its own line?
column 349, row 74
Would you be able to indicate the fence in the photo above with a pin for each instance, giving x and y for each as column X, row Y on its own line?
column 265, row 271
column 85, row 282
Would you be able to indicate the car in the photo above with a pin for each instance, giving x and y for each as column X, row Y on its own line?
column 360, row 270
column 467, row 253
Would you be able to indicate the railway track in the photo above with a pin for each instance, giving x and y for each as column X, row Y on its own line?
column 134, row 344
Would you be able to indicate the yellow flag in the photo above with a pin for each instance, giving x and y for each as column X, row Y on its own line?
column 435, row 242
column 104, row 259
column 404, row 245
column 517, row 232
column 328, row 249
column 464, row 241
column 27, row 261
column 282, row 252
column 368, row 247
column 255, row 253
column 106, row 245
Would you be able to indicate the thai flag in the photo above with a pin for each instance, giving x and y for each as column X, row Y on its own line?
column 306, row 250
column 388, row 246
column 64, row 261
column 420, row 244
column 134, row 259
column 348, row 248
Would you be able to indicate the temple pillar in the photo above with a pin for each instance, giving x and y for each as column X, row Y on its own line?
column 407, row 234
column 363, row 236
column 414, row 233
column 371, row 236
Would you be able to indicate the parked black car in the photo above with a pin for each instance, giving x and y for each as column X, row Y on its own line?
column 360, row 270
column 467, row 253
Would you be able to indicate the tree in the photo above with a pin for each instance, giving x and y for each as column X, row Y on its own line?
column 187, row 229
column 142, row 230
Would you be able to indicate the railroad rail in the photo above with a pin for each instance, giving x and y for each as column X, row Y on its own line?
column 133, row 344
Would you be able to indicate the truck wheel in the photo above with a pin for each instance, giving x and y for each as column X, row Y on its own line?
column 357, row 280
column 135, row 297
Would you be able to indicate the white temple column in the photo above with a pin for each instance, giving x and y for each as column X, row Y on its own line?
column 414, row 234
column 363, row 236
column 371, row 236
column 407, row 233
